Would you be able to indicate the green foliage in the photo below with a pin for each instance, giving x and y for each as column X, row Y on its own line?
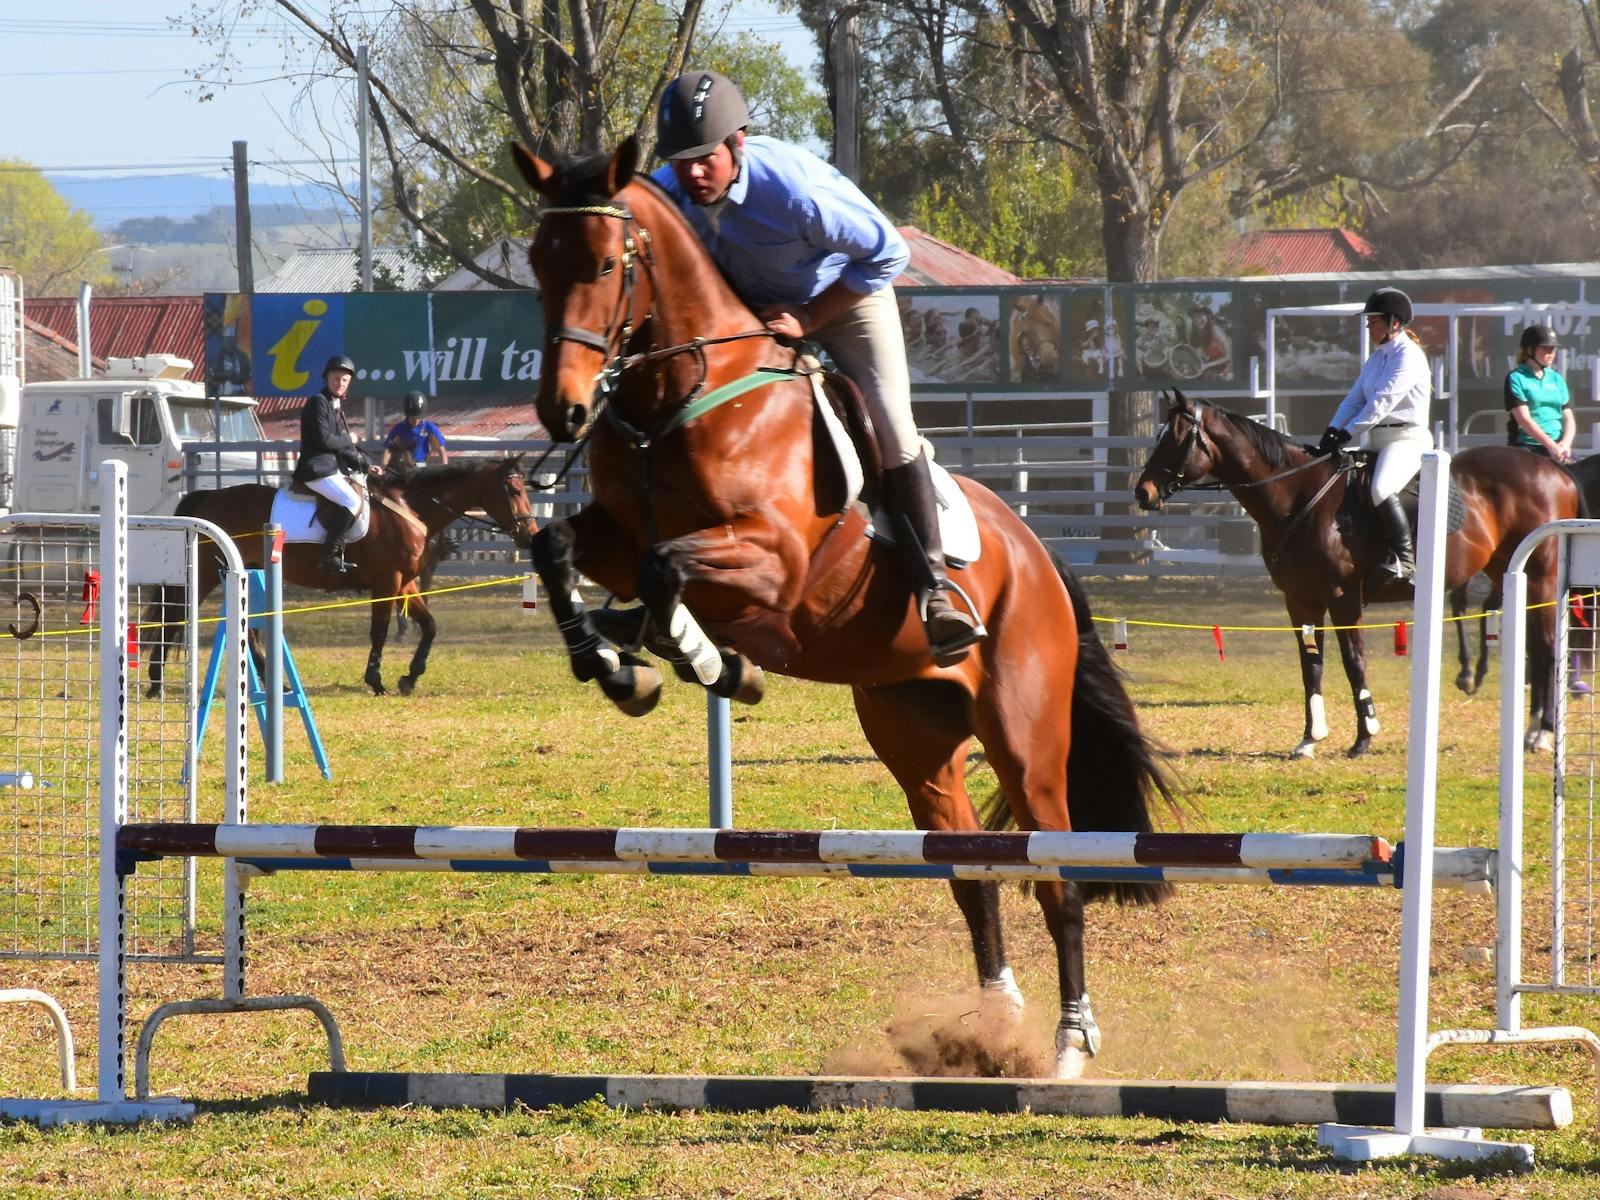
column 1024, row 210
column 50, row 243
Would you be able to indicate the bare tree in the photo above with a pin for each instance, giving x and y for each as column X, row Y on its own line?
column 451, row 84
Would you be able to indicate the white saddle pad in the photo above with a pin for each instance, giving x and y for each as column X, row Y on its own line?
column 958, row 527
column 296, row 515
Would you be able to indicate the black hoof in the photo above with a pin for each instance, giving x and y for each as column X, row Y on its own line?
column 375, row 681
column 407, row 684
column 153, row 692
column 741, row 681
column 1360, row 748
column 634, row 688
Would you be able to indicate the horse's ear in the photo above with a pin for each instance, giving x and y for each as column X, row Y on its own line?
column 1179, row 400
column 541, row 176
column 624, row 165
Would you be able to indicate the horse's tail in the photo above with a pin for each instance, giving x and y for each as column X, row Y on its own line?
column 1114, row 772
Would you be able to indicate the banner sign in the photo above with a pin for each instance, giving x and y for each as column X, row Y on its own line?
column 436, row 343
column 1042, row 339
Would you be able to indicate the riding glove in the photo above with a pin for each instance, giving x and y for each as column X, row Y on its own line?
column 1332, row 439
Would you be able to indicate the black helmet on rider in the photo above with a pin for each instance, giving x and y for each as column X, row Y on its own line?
column 415, row 404
column 1389, row 302
column 339, row 362
column 1537, row 337
column 699, row 111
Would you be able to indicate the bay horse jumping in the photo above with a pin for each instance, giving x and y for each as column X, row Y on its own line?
column 731, row 522
column 1295, row 496
column 406, row 511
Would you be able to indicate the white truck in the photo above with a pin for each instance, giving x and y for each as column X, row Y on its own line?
column 142, row 413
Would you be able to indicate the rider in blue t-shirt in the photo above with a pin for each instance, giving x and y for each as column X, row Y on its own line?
column 411, row 441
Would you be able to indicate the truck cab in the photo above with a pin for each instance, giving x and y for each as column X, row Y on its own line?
column 142, row 413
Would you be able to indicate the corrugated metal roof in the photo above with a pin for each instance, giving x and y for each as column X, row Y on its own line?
column 512, row 418
column 1301, row 252
column 127, row 327
column 939, row 264
column 337, row 269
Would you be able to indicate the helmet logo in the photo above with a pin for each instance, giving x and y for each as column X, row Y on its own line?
column 701, row 91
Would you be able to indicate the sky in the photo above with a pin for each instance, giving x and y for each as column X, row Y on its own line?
column 98, row 86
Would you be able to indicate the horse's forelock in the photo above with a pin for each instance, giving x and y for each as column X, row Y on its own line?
column 583, row 179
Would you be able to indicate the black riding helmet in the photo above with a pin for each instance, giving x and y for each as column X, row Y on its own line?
column 1536, row 337
column 415, row 404
column 699, row 111
column 1389, row 302
column 339, row 362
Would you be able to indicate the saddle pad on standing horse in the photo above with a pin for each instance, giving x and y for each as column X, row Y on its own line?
column 296, row 515
column 958, row 527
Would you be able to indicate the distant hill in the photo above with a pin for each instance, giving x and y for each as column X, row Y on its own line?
column 181, row 198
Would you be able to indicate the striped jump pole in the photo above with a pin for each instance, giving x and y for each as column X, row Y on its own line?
column 1256, row 1103
column 1351, row 860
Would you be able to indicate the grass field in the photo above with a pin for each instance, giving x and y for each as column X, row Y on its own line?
column 573, row 974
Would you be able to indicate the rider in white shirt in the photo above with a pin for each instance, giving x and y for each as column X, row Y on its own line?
column 1389, row 405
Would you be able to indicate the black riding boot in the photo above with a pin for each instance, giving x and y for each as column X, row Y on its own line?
column 950, row 630
column 1402, row 563
column 338, row 524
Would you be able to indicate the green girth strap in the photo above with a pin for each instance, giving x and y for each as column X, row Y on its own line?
column 696, row 409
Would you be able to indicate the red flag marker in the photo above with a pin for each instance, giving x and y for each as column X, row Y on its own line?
column 1577, row 613
column 1400, row 639
column 1119, row 634
column 133, row 647
column 277, row 547
column 91, row 596
column 1216, row 636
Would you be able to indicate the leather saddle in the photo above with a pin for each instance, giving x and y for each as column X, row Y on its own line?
column 1356, row 511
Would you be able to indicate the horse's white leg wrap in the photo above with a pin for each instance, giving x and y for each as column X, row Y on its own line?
column 1369, row 713
column 1077, row 1038
column 1319, row 717
column 1002, row 999
column 689, row 640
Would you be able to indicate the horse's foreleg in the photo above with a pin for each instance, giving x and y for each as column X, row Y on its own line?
column 738, row 559
column 627, row 682
column 1353, row 652
column 1311, row 660
column 426, row 627
column 378, row 629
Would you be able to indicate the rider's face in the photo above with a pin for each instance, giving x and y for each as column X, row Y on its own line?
column 338, row 383
column 706, row 179
column 1380, row 328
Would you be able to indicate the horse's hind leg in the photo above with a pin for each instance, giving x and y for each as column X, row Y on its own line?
column 626, row 681
column 1026, row 746
column 427, row 627
column 1465, row 680
column 920, row 732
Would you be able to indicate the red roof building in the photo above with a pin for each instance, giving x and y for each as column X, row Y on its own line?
column 1301, row 252
column 119, row 327
column 939, row 264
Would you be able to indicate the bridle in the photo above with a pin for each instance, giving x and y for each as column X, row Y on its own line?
column 511, row 506
column 1195, row 440
column 620, row 328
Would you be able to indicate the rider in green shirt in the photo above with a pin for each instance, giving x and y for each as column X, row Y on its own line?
column 1536, row 397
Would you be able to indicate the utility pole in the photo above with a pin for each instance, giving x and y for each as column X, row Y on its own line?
column 844, row 58
column 241, row 217
column 366, row 169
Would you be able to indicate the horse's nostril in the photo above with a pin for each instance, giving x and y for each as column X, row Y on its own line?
column 577, row 418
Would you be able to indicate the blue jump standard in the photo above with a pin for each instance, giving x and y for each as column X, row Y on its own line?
column 1255, row 1103
column 294, row 695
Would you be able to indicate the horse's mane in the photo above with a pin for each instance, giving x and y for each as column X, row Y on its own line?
column 1268, row 442
column 441, row 474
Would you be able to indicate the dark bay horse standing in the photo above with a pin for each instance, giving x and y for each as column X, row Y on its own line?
column 1295, row 497
column 406, row 511
column 734, row 516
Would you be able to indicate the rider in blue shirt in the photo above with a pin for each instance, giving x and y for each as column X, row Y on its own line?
column 413, row 439
column 805, row 248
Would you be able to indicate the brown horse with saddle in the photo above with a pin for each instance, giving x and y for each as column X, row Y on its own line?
column 720, row 501
column 405, row 511
column 1322, row 547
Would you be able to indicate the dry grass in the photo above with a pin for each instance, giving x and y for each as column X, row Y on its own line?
column 617, row 974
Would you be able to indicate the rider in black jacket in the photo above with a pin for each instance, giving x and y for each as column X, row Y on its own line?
column 328, row 453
